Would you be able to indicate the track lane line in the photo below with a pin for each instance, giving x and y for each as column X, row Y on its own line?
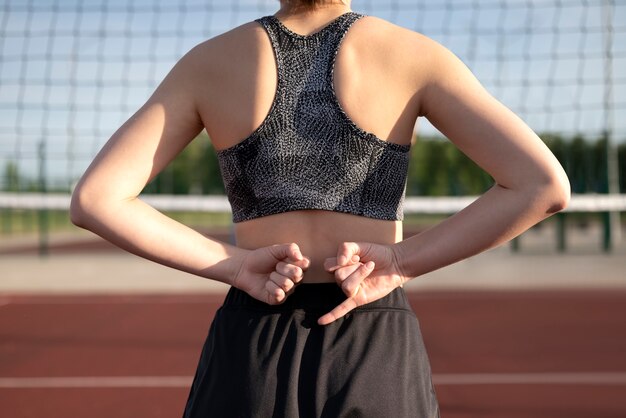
column 444, row 379
column 96, row 382
column 576, row 378
column 110, row 300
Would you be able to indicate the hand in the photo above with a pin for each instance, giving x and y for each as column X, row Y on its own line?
column 271, row 273
column 366, row 272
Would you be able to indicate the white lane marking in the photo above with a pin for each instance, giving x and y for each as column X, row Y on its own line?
column 96, row 382
column 568, row 378
column 112, row 300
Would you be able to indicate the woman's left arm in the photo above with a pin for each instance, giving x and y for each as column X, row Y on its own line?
column 530, row 185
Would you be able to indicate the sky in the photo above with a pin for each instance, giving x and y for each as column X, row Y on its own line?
column 71, row 71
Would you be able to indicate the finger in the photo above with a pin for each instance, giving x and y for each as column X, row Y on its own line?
column 289, row 270
column 338, row 312
column 299, row 267
column 331, row 264
column 352, row 283
column 342, row 273
column 275, row 294
column 282, row 251
column 281, row 281
column 346, row 251
column 304, row 264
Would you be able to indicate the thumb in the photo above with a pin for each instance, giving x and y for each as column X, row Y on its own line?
column 346, row 251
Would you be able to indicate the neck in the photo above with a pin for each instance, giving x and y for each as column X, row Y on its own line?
column 290, row 8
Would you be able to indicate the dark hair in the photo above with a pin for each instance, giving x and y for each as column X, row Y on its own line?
column 308, row 3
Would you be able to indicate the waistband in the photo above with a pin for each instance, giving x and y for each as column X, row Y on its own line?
column 315, row 297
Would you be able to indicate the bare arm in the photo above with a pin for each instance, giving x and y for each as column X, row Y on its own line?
column 106, row 201
column 530, row 186
column 530, row 183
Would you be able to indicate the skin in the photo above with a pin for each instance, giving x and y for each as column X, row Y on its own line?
column 385, row 77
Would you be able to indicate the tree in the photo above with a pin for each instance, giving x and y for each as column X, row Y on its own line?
column 11, row 177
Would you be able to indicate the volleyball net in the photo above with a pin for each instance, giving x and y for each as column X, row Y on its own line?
column 72, row 71
column 441, row 205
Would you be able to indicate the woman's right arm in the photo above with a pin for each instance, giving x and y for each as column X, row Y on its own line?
column 530, row 184
column 105, row 200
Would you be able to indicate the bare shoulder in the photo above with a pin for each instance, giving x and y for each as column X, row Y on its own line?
column 402, row 50
column 213, row 54
column 220, row 71
column 382, row 30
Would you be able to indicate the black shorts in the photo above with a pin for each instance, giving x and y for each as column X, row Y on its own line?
column 276, row 361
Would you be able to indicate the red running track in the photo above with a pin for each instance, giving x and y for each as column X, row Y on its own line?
column 494, row 354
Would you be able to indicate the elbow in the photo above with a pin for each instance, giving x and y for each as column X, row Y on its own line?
column 557, row 193
column 82, row 207
column 91, row 205
column 77, row 208
column 547, row 194
column 559, row 202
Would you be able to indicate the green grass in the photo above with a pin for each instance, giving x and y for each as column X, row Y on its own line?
column 422, row 220
column 20, row 221
column 202, row 219
column 17, row 222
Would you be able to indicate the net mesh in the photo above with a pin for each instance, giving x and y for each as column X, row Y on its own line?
column 71, row 71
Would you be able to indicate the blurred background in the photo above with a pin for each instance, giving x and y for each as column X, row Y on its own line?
column 72, row 71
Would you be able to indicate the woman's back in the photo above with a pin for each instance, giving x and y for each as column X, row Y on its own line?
column 376, row 84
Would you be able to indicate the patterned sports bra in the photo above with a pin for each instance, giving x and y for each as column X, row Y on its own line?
column 307, row 153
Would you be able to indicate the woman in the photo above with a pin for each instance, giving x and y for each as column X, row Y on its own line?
column 312, row 112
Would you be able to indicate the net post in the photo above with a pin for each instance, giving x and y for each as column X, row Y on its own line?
column 561, row 241
column 42, row 213
column 607, row 246
column 611, row 220
column 6, row 221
